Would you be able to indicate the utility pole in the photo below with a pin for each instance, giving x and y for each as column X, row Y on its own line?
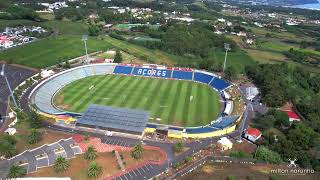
column 9, row 87
column 227, row 48
column 85, row 39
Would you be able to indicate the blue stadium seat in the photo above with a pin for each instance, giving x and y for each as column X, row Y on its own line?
column 202, row 77
column 225, row 122
column 205, row 129
column 122, row 70
column 186, row 75
column 219, row 84
column 152, row 72
column 151, row 126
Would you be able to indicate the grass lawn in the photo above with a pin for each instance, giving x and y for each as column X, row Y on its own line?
column 154, row 56
column 181, row 103
column 266, row 56
column 67, row 27
column 49, row 51
column 11, row 23
column 238, row 59
column 78, row 166
column 276, row 46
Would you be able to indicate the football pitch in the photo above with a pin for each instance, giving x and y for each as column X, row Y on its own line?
column 174, row 102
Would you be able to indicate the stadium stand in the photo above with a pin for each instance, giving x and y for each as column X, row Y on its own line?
column 224, row 122
column 219, row 84
column 229, row 107
column 152, row 72
column 185, row 75
column 122, row 70
column 198, row 130
column 45, row 91
column 202, row 77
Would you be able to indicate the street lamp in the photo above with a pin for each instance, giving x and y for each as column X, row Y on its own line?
column 5, row 77
column 227, row 48
column 85, row 39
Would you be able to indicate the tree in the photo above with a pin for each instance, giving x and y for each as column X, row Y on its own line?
column 34, row 119
column 34, row 137
column 178, row 147
column 8, row 150
column 61, row 165
column 93, row 30
column 16, row 172
column 94, row 170
column 282, row 118
column 137, row 151
column 7, row 145
column 230, row 73
column 67, row 65
column 267, row 155
column 118, row 57
column 91, row 153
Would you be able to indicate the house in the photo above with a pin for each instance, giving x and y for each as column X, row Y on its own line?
column 251, row 92
column 10, row 131
column 293, row 117
column 241, row 33
column 224, row 144
column 249, row 41
column 221, row 20
column 252, row 134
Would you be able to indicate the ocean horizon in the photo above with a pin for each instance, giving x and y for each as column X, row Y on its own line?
column 315, row 6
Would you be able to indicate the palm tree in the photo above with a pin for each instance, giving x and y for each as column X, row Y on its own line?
column 136, row 153
column 34, row 137
column 61, row 164
column 94, row 170
column 8, row 150
column 16, row 172
column 91, row 153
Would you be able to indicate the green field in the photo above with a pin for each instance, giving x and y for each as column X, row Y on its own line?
column 182, row 103
column 49, row 51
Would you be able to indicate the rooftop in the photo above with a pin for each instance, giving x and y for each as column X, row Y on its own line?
column 112, row 118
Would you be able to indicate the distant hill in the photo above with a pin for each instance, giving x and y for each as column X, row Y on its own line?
column 291, row 2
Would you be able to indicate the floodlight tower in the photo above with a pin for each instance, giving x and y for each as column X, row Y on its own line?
column 85, row 39
column 227, row 48
column 9, row 87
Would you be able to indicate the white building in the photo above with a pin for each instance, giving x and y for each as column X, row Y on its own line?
column 251, row 92
column 253, row 134
column 224, row 144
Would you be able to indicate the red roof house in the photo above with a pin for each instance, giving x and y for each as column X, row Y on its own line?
column 253, row 134
column 293, row 116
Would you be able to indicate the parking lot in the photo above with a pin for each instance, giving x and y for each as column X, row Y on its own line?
column 46, row 155
column 145, row 171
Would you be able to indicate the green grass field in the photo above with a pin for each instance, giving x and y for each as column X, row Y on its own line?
column 49, row 51
column 180, row 103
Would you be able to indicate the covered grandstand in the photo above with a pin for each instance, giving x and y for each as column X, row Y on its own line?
column 114, row 119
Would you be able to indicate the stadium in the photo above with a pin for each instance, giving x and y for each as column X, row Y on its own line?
column 138, row 99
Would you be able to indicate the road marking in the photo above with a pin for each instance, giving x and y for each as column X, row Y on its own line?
column 129, row 174
column 143, row 169
column 120, row 177
column 125, row 176
column 139, row 171
column 134, row 172
column 146, row 167
column 150, row 166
